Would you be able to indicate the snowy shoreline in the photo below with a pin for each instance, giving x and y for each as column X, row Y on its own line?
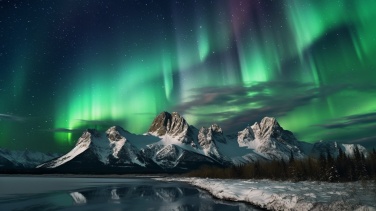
column 283, row 195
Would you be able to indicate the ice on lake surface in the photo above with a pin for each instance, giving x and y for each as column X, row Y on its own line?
column 56, row 193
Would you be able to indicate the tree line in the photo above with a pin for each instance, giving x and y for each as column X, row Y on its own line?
column 325, row 167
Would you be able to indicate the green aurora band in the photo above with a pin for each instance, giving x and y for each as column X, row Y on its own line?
column 128, row 77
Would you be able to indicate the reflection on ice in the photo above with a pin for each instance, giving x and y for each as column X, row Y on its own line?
column 114, row 195
column 127, row 194
column 169, row 194
column 78, row 198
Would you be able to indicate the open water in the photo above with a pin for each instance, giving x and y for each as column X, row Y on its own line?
column 65, row 193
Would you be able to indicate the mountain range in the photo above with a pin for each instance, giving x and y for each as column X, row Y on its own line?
column 23, row 159
column 172, row 145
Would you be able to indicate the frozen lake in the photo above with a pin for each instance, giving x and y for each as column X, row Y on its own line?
column 64, row 193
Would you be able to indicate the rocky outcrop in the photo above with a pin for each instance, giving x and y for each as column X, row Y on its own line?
column 172, row 125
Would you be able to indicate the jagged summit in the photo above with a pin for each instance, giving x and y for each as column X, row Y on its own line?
column 266, row 128
column 270, row 122
column 172, row 124
column 215, row 128
column 161, row 123
column 168, row 123
column 117, row 129
column 207, row 135
column 271, row 140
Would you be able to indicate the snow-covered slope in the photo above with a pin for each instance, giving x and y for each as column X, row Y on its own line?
column 208, row 138
column 108, row 149
column 24, row 159
column 123, row 152
column 270, row 140
column 334, row 148
column 84, row 143
column 178, row 147
column 277, row 195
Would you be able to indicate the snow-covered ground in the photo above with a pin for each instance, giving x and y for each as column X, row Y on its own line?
column 277, row 195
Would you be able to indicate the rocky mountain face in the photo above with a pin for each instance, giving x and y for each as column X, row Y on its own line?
column 172, row 125
column 333, row 148
column 269, row 139
column 209, row 138
column 96, row 151
column 172, row 145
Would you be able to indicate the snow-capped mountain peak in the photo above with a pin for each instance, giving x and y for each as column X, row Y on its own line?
column 173, row 125
column 207, row 135
column 246, row 135
column 111, row 148
column 270, row 140
column 267, row 127
column 216, row 128
column 81, row 146
column 116, row 140
column 333, row 148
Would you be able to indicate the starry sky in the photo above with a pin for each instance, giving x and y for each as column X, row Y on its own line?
column 70, row 65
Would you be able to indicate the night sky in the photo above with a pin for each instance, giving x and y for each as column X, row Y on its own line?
column 70, row 65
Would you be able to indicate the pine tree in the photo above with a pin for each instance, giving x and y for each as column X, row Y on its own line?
column 292, row 159
column 322, row 166
column 257, row 169
column 356, row 152
column 363, row 172
column 373, row 163
column 293, row 174
column 359, row 164
column 329, row 158
column 310, row 171
column 284, row 169
column 350, row 168
column 331, row 170
column 341, row 164
column 341, row 154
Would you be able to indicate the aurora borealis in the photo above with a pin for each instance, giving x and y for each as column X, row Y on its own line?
column 71, row 65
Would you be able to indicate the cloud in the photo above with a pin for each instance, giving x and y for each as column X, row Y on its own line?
column 273, row 98
column 13, row 118
column 144, row 114
column 353, row 120
column 101, row 122
column 63, row 130
column 257, row 100
column 82, row 127
column 236, row 95
column 370, row 139
column 367, row 141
